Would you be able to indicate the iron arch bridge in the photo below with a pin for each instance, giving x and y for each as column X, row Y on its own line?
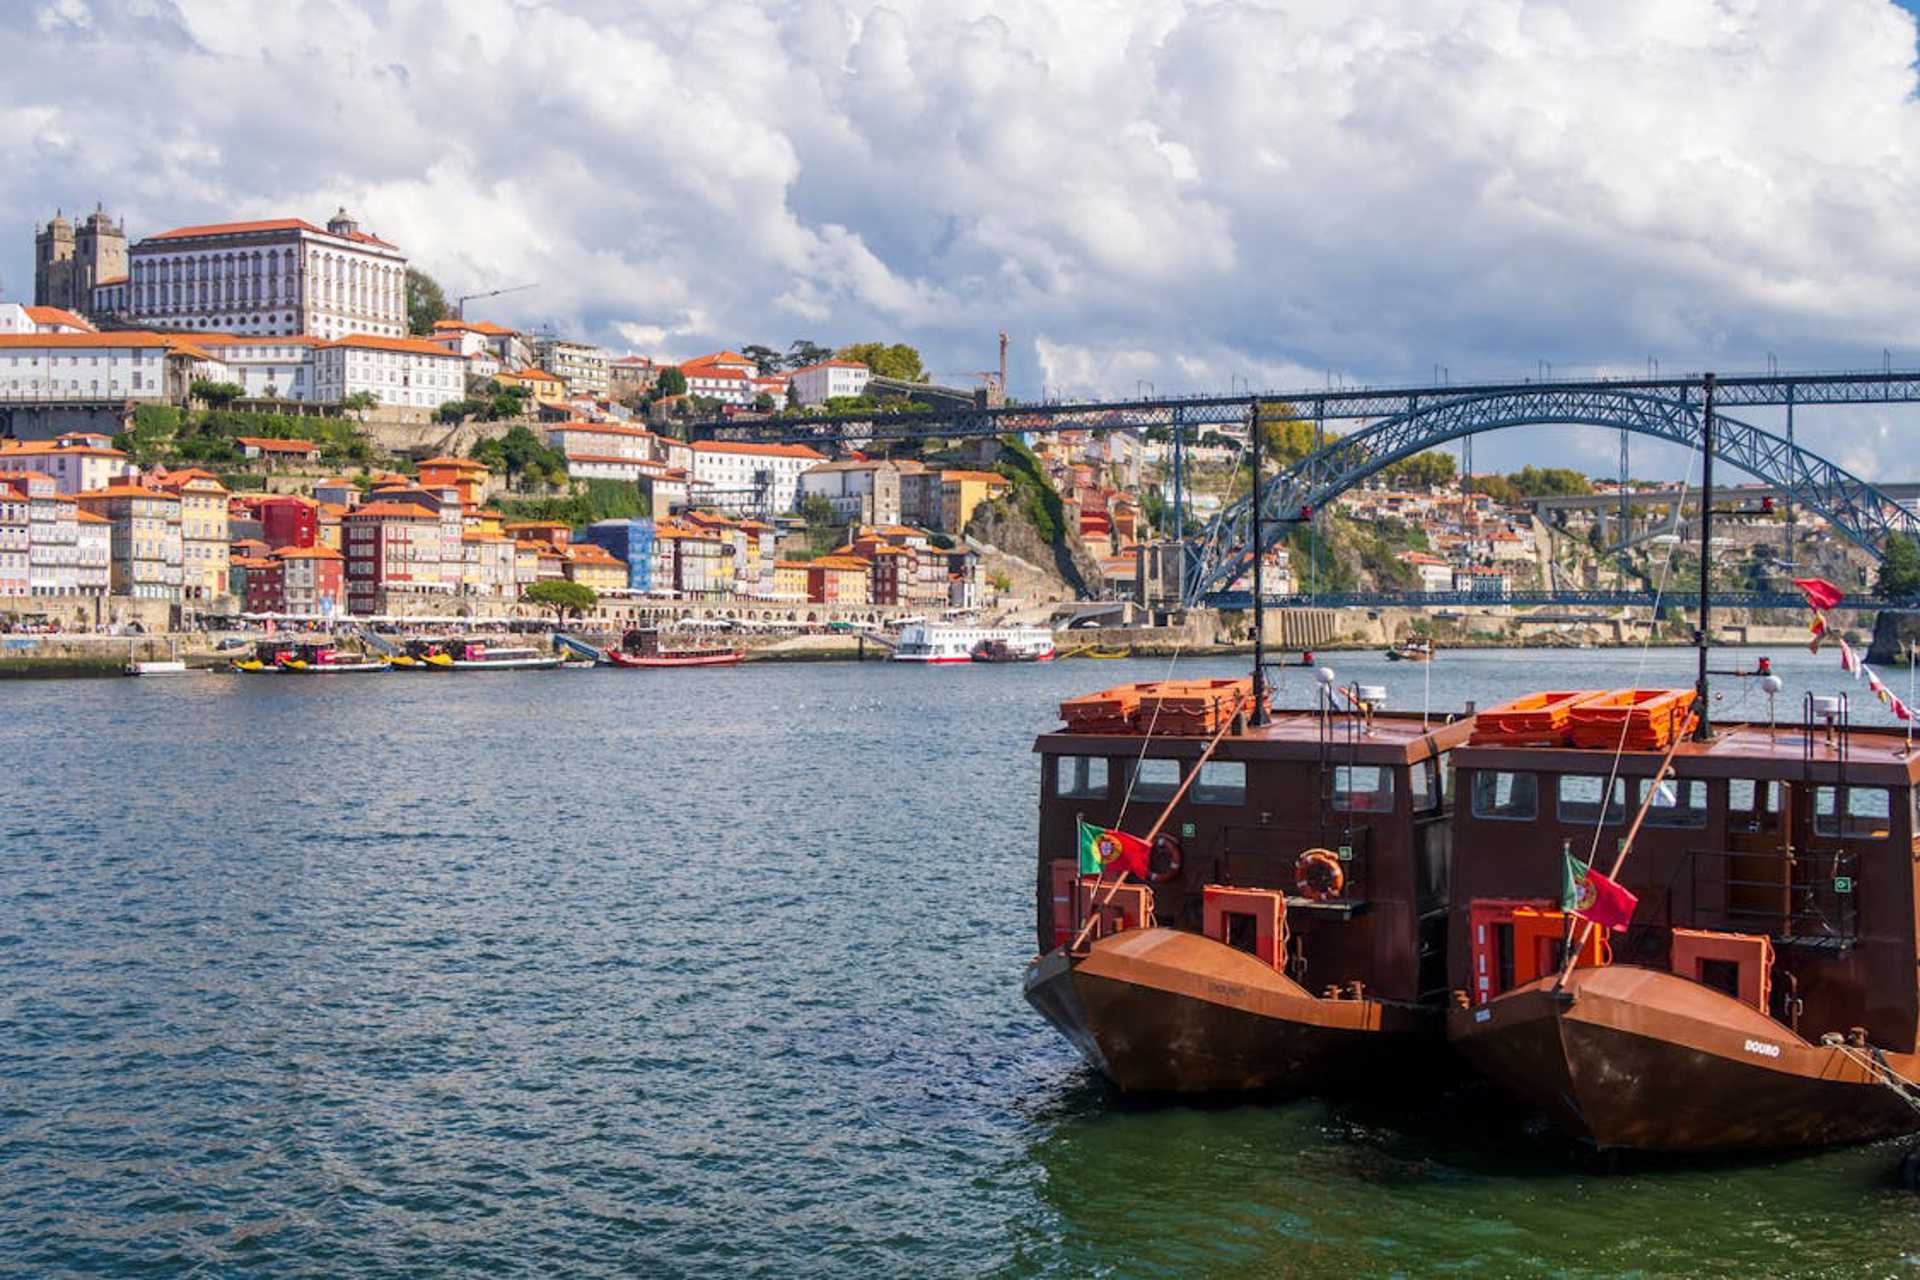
column 1858, row 510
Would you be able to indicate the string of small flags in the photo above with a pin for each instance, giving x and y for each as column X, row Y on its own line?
column 1822, row 595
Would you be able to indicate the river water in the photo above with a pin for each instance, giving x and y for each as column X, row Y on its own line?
column 693, row 973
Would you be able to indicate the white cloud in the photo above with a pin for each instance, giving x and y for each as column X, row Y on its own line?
column 1181, row 191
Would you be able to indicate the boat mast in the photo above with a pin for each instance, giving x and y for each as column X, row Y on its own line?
column 1259, row 579
column 1703, row 729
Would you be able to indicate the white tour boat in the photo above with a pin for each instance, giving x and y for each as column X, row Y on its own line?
column 933, row 642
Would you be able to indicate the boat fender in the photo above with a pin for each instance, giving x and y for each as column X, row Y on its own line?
column 1165, row 858
column 1318, row 875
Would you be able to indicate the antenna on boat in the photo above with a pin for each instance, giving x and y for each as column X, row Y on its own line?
column 1703, row 728
column 1259, row 716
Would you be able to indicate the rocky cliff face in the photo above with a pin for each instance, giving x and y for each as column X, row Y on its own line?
column 1894, row 634
column 1045, row 570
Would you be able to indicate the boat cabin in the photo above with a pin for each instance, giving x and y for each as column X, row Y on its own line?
column 1362, row 792
column 1780, row 866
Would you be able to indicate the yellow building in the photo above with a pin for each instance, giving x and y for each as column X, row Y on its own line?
column 963, row 491
column 790, row 580
column 596, row 567
column 204, row 565
column 488, row 565
column 541, row 386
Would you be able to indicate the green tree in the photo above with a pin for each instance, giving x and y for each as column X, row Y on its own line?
column 1549, row 482
column 823, row 524
column 562, row 597
column 426, row 301
column 802, row 352
column 764, row 402
column 897, row 361
column 1429, row 470
column 1900, row 567
column 1499, row 488
column 360, row 402
column 765, row 359
column 671, row 383
column 1286, row 436
column 521, row 455
column 215, row 395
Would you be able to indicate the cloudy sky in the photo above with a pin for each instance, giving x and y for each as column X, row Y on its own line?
column 1177, row 191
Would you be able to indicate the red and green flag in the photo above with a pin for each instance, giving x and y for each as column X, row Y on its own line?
column 1102, row 849
column 1591, row 896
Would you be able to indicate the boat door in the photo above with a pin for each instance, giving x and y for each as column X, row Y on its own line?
column 1759, row 861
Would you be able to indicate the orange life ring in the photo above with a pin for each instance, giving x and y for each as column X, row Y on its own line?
column 1318, row 875
column 1164, row 859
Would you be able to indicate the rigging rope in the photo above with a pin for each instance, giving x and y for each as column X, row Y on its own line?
column 1639, row 671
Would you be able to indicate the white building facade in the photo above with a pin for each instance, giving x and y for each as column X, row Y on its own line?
column 740, row 472
column 398, row 371
column 828, row 380
column 278, row 276
column 42, row 367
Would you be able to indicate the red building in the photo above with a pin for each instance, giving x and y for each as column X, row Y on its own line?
column 289, row 522
column 393, row 546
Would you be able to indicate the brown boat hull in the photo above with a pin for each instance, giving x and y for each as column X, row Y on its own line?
column 1164, row 1011
column 1638, row 1059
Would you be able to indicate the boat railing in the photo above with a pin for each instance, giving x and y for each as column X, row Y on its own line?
column 1806, row 898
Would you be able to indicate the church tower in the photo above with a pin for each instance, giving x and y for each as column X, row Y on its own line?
column 53, row 263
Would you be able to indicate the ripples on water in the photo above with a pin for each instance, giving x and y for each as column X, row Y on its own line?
column 688, row 973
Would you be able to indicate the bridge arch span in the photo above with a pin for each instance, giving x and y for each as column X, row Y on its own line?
column 1859, row 511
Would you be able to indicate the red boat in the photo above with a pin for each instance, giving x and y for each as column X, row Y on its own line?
column 641, row 648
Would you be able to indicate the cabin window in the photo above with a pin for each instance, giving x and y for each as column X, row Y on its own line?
column 1080, row 777
column 1580, row 799
column 1363, row 788
column 1155, row 779
column 1853, row 811
column 1500, row 794
column 1677, row 802
column 1221, row 782
column 1425, row 782
column 1753, row 806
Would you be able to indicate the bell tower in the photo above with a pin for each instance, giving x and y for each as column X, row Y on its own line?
column 53, row 263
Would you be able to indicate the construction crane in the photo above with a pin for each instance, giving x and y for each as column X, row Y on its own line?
column 460, row 304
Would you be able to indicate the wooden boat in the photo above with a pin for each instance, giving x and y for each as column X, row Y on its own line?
column 259, row 660
column 1291, row 935
column 1005, row 649
column 641, row 647
column 1764, row 994
column 1103, row 654
column 324, row 659
column 1411, row 651
column 424, row 654
column 477, row 655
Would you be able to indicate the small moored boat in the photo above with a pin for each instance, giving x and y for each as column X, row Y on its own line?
column 480, row 656
column 324, row 659
column 641, row 647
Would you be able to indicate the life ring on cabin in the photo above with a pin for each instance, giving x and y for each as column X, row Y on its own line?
column 1164, row 858
column 1318, row 875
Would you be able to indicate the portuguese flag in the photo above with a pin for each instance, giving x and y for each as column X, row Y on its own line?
column 1103, row 847
column 1591, row 896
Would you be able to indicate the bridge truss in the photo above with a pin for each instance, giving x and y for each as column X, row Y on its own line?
column 1405, row 420
column 1855, row 508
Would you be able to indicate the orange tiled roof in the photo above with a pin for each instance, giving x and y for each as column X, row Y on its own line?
column 308, row 553
column 267, row 224
column 405, row 346
column 772, row 450
column 391, row 510
column 279, row 446
column 56, row 315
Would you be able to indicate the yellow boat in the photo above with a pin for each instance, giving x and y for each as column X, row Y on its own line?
column 1105, row 654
